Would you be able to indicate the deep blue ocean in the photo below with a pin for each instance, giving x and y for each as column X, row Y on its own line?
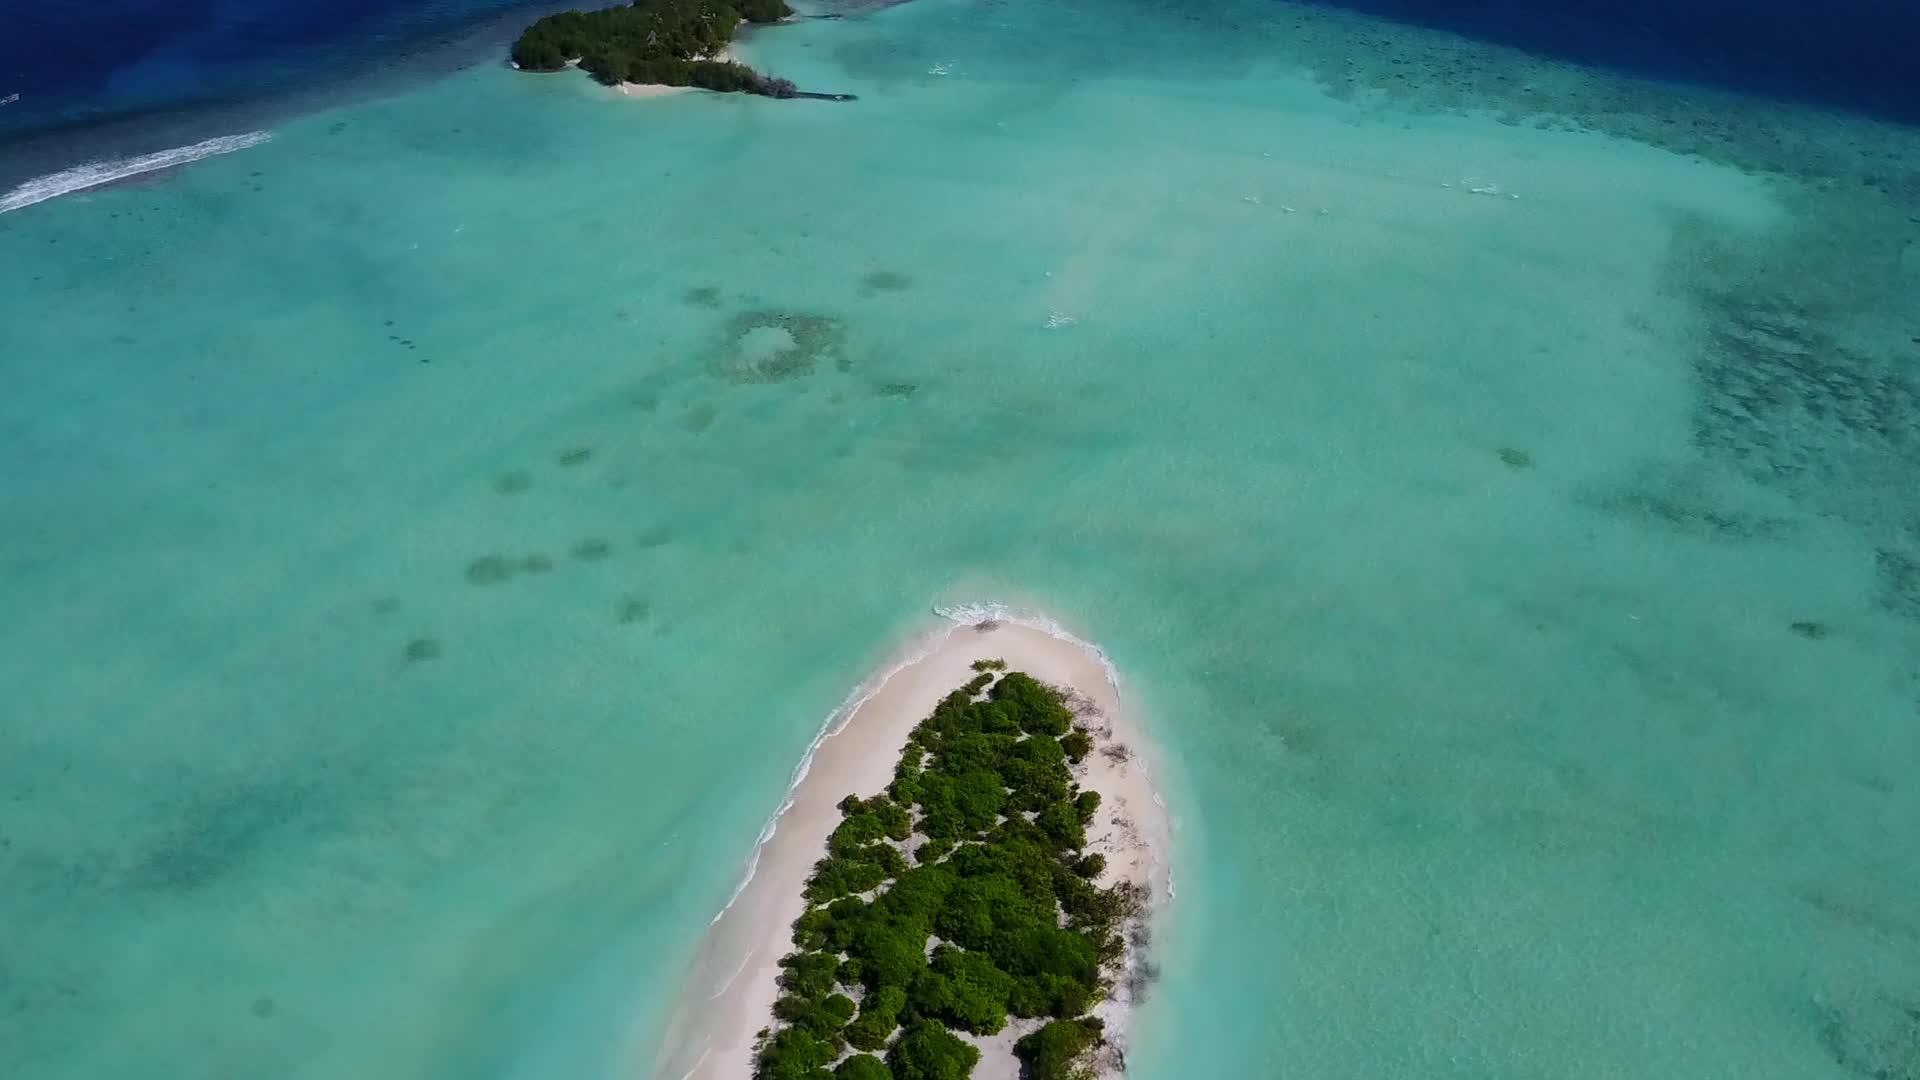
column 88, row 63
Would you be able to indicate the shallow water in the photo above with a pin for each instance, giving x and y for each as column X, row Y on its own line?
column 429, row 559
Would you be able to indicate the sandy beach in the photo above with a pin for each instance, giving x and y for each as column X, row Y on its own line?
column 729, row 991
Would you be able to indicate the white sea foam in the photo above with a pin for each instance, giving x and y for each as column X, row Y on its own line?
column 985, row 611
column 704, row 1055
column 95, row 173
column 715, row 996
column 836, row 722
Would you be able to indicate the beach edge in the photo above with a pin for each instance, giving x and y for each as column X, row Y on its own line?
column 728, row 992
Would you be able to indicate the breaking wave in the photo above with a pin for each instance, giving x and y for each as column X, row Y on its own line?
column 95, row 173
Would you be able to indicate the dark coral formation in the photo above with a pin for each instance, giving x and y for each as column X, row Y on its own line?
column 886, row 281
column 760, row 347
column 490, row 570
column 591, row 550
column 1899, row 574
column 1802, row 388
column 216, row 832
column 699, row 417
column 1877, row 1037
column 1694, row 499
column 1780, row 392
column 1515, row 458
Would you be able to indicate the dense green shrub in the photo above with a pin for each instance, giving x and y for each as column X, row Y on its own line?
column 927, row 1051
column 1049, row 995
column 1034, row 770
column 1062, row 824
column 808, row 974
column 891, row 953
column 810, row 929
column 794, row 1054
column 918, row 895
column 980, row 908
column 878, row 1017
column 848, row 973
column 861, row 1067
column 835, row 877
column 821, row 1019
column 1041, row 710
column 1055, row 1051
column 963, row 990
column 897, row 820
column 1091, row 866
column 1077, row 744
column 1048, row 950
column 840, row 1007
column 762, row 11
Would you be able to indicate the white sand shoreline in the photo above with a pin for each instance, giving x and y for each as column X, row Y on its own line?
column 728, row 994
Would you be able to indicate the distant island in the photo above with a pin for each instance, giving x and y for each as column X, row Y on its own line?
column 655, row 42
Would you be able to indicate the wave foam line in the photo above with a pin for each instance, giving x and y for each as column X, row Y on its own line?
column 744, row 961
column 704, row 1055
column 836, row 722
column 95, row 173
column 992, row 611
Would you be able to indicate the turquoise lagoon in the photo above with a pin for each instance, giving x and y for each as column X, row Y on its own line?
column 433, row 537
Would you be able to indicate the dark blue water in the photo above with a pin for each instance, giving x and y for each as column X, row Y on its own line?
column 138, row 73
column 1862, row 55
column 123, row 77
column 75, row 63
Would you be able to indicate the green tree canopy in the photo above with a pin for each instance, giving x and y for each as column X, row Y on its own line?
column 671, row 42
column 1055, row 1051
column 927, row 1051
column 1022, row 928
column 861, row 1067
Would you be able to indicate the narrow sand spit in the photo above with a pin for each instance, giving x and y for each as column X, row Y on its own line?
column 730, row 989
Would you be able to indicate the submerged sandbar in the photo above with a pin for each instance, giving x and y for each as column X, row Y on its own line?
column 727, row 1003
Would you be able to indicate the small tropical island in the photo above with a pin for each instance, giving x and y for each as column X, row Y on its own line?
column 673, row 43
column 957, row 898
column 979, row 909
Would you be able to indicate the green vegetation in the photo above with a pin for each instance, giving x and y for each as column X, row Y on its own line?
column 862, row 1067
column 1053, row 1052
column 998, row 886
column 653, row 41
